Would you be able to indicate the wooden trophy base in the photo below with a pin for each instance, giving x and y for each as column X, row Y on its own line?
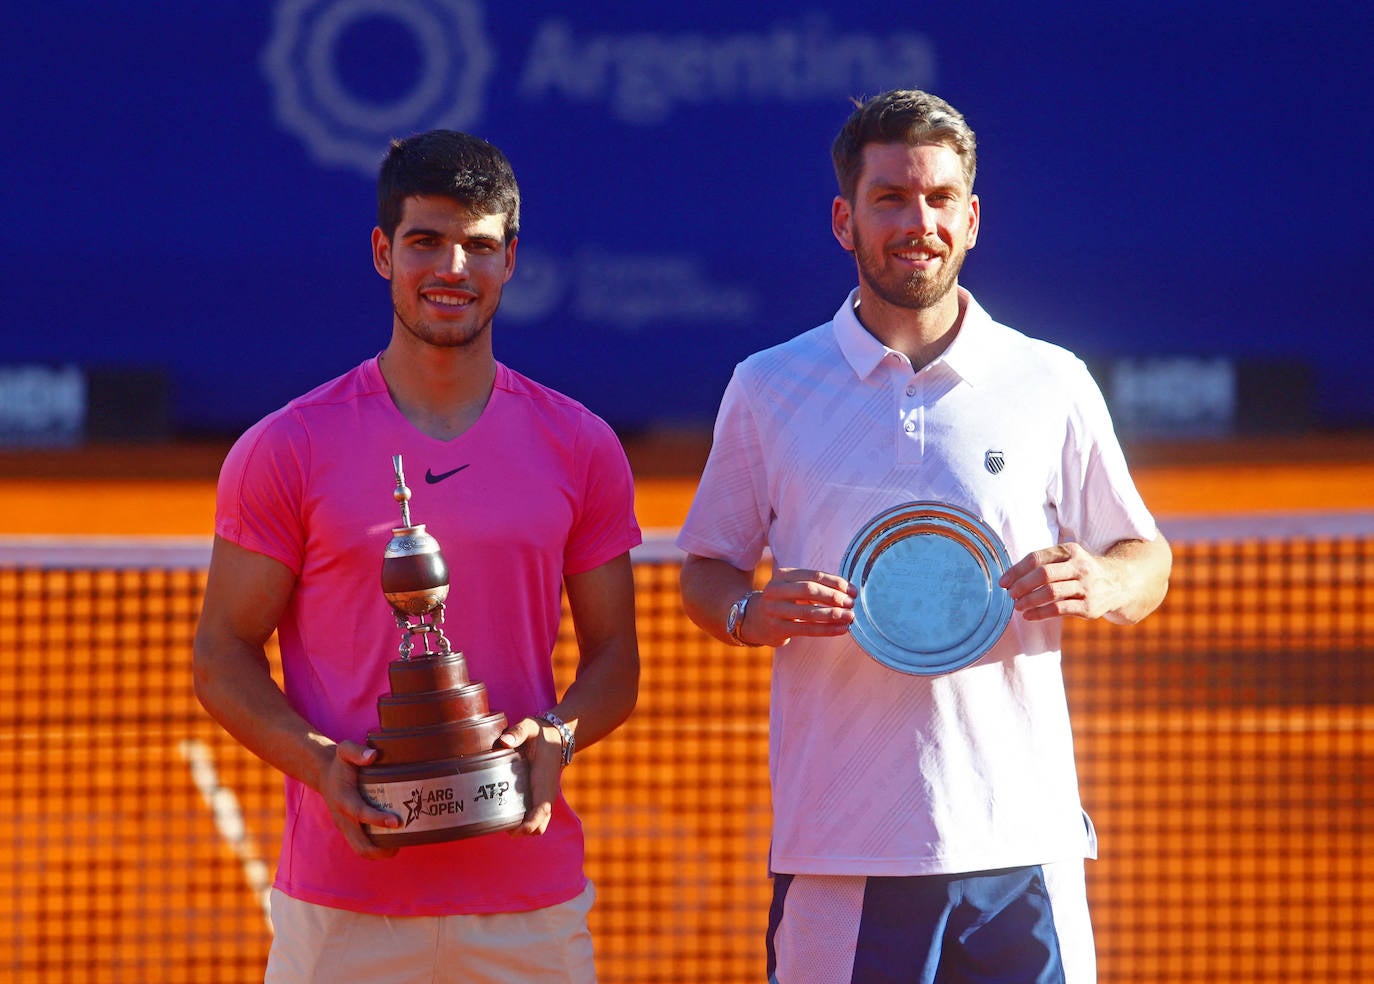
column 436, row 766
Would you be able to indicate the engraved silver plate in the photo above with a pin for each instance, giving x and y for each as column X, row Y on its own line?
column 929, row 601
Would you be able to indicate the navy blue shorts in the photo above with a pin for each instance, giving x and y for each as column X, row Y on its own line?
column 1013, row 926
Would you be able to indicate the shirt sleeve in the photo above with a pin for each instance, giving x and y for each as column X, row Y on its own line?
column 605, row 526
column 260, row 491
column 1097, row 501
column 731, row 512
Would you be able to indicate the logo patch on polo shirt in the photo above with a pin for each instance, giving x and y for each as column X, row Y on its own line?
column 994, row 461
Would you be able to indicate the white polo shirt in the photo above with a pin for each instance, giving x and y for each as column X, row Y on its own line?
column 875, row 771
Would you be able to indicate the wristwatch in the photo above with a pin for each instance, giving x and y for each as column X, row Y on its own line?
column 565, row 735
column 734, row 621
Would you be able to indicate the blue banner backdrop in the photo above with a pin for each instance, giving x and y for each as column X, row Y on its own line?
column 190, row 185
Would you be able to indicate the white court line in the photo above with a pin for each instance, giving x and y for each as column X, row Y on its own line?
column 228, row 817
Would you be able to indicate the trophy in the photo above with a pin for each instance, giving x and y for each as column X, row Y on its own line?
column 929, row 601
column 437, row 767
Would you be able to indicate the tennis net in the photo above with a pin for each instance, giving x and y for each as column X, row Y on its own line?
column 1225, row 748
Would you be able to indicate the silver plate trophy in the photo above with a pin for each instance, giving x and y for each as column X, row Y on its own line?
column 437, row 767
column 929, row 601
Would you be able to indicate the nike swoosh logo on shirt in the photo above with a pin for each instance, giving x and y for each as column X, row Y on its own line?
column 434, row 479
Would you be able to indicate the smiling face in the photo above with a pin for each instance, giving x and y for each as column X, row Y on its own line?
column 447, row 268
column 910, row 224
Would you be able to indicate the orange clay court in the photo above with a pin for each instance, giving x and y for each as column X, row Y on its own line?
column 155, row 491
column 1225, row 747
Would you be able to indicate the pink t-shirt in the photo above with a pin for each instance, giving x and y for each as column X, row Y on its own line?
column 538, row 488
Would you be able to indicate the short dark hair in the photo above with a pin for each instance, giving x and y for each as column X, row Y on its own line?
column 907, row 116
column 455, row 165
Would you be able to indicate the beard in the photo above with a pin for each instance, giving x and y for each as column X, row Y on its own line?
column 917, row 289
column 442, row 335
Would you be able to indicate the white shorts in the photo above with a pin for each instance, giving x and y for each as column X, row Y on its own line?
column 316, row 944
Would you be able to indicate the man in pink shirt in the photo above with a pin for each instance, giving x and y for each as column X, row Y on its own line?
column 529, row 495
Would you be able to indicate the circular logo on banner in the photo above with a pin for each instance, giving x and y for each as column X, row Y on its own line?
column 344, row 126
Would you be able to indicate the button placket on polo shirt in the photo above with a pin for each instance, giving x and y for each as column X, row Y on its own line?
column 911, row 413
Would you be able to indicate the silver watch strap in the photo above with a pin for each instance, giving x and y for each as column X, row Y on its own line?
column 565, row 734
column 738, row 628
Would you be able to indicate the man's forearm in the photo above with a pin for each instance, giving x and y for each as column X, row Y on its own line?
column 603, row 694
column 238, row 691
column 709, row 588
column 1142, row 572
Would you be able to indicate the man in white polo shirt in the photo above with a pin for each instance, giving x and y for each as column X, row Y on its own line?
column 926, row 827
